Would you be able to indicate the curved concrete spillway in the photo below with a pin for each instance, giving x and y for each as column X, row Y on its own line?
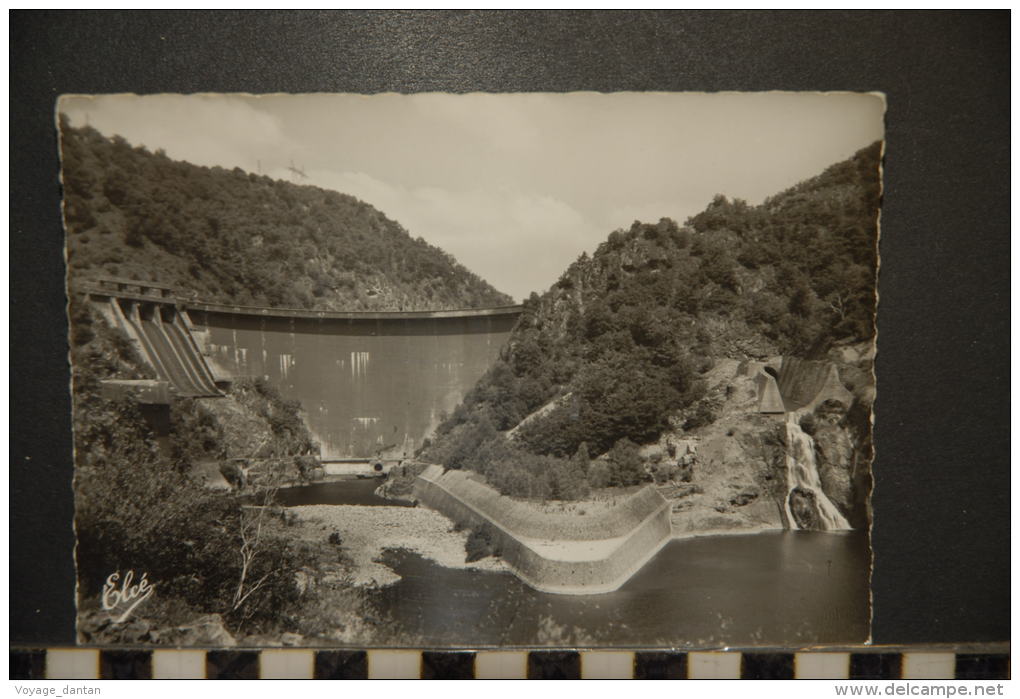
column 561, row 553
column 805, row 384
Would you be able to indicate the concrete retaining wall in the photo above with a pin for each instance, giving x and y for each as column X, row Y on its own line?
column 566, row 554
column 805, row 384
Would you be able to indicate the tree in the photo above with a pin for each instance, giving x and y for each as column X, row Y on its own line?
column 581, row 457
column 253, row 531
column 600, row 474
column 568, row 481
column 627, row 467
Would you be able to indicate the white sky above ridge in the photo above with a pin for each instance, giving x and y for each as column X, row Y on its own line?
column 515, row 186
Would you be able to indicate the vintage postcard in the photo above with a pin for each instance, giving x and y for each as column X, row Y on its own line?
column 482, row 370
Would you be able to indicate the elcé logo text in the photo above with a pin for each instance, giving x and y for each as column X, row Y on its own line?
column 124, row 598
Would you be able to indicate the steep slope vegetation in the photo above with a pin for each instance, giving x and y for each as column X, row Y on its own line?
column 236, row 237
column 618, row 350
column 142, row 504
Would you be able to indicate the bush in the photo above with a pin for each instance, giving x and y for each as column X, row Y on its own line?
column 568, row 482
column 600, row 474
column 481, row 543
column 702, row 415
column 626, row 466
column 133, row 238
column 136, row 507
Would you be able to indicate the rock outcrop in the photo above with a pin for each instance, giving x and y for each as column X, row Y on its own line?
column 206, row 630
column 98, row 627
column 834, row 455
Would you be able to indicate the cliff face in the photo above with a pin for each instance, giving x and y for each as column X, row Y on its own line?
column 835, row 457
column 743, row 469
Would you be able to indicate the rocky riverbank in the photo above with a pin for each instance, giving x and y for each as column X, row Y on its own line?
column 366, row 532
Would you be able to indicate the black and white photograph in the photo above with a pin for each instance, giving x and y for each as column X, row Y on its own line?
column 484, row 370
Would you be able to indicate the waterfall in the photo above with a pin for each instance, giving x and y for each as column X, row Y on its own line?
column 359, row 364
column 802, row 474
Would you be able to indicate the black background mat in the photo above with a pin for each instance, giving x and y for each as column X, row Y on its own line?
column 941, row 533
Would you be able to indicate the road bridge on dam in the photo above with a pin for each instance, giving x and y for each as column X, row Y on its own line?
column 370, row 384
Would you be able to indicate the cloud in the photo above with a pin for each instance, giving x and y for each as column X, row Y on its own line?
column 517, row 241
column 515, row 186
column 203, row 129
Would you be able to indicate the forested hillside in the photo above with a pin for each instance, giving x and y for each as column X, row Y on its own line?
column 235, row 237
column 615, row 350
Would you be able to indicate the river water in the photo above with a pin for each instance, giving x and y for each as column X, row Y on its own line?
column 352, row 491
column 786, row 589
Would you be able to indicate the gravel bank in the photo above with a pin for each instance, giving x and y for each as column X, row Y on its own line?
column 368, row 530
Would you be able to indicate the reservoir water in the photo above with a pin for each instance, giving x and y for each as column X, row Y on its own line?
column 790, row 588
column 351, row 491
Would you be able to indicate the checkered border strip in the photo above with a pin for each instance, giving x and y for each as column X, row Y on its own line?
column 286, row 663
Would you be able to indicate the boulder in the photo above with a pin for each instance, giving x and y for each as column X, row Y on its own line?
column 100, row 627
column 745, row 496
column 206, row 630
column 134, row 631
column 292, row 639
column 804, row 509
column 92, row 626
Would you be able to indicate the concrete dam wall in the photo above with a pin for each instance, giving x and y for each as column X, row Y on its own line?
column 555, row 552
column 370, row 384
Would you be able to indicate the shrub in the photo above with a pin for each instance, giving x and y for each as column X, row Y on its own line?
column 626, row 465
column 481, row 543
column 599, row 474
column 568, row 481
column 702, row 415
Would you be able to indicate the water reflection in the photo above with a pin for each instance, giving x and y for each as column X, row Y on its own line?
column 785, row 588
column 352, row 491
column 777, row 588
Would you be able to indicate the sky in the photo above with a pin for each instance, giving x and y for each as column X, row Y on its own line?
column 515, row 186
